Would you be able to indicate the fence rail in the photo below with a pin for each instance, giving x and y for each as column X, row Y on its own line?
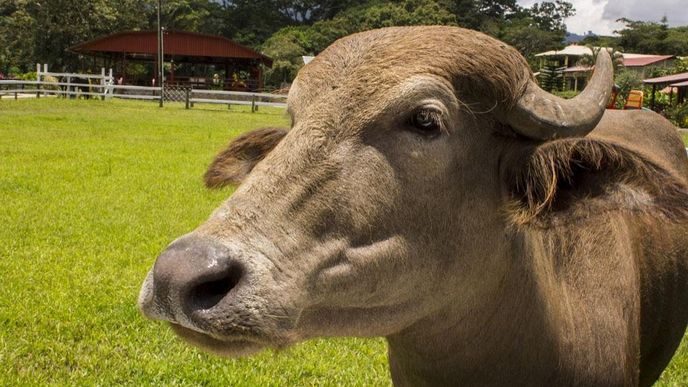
column 107, row 90
column 230, row 98
column 67, row 89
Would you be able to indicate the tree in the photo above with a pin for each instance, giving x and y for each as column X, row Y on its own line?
column 311, row 11
column 626, row 80
column 17, row 41
column 536, row 29
column 552, row 77
column 591, row 59
column 480, row 14
column 550, row 16
column 190, row 15
column 40, row 31
column 653, row 38
column 528, row 39
column 287, row 45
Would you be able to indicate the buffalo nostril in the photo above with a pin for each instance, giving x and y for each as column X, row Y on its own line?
column 208, row 294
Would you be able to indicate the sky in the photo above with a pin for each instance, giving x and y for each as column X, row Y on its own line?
column 599, row 16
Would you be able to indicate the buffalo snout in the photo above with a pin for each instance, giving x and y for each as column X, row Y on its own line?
column 193, row 276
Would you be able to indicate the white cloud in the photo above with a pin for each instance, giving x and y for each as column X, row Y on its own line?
column 674, row 10
column 599, row 16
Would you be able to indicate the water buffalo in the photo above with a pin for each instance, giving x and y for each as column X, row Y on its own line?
column 430, row 192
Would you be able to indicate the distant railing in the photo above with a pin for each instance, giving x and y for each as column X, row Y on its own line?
column 108, row 90
column 230, row 98
column 73, row 89
column 73, row 85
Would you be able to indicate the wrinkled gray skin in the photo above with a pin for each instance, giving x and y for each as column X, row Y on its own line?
column 356, row 224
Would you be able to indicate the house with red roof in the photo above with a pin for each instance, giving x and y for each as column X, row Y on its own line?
column 576, row 74
column 645, row 64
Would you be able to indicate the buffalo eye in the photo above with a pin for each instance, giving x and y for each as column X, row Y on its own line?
column 427, row 122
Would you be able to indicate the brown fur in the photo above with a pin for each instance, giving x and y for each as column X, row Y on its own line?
column 234, row 163
column 558, row 175
column 489, row 75
column 484, row 258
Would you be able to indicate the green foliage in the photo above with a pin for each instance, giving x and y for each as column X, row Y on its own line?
column 525, row 36
column 661, row 100
column 550, row 16
column 525, row 28
column 566, row 94
column 481, row 14
column 678, row 115
column 653, row 38
column 627, row 80
column 290, row 43
column 590, row 60
column 33, row 31
column 378, row 14
column 286, row 47
column 17, row 45
column 30, row 76
column 602, row 41
column 552, row 77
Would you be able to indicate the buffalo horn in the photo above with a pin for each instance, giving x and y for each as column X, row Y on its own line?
column 542, row 116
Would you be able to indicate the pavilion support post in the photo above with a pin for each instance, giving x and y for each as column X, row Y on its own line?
column 227, row 81
column 124, row 68
column 671, row 96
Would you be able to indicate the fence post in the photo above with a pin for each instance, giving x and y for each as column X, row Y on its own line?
column 102, row 83
column 253, row 103
column 187, row 92
column 38, row 79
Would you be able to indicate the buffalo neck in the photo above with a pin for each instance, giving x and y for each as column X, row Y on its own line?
column 503, row 336
column 546, row 308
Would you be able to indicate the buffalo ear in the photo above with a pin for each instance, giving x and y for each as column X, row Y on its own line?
column 569, row 179
column 234, row 163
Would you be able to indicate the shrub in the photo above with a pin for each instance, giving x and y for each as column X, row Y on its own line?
column 627, row 81
column 50, row 79
column 31, row 76
column 567, row 94
column 678, row 115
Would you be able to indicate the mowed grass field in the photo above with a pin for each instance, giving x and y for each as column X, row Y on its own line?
column 90, row 193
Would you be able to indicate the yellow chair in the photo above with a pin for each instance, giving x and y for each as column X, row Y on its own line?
column 634, row 100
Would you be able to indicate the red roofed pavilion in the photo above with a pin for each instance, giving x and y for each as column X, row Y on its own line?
column 193, row 54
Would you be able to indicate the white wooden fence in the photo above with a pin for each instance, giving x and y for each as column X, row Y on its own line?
column 103, row 86
column 230, row 98
column 76, row 85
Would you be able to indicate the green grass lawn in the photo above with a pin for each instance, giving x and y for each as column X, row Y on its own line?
column 90, row 193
